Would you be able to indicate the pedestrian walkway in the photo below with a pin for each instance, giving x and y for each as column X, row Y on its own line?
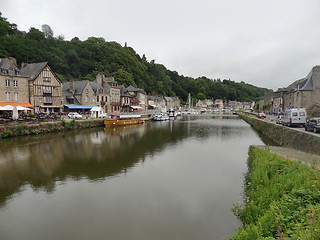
column 292, row 154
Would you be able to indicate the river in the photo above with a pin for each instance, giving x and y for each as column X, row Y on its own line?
column 161, row 180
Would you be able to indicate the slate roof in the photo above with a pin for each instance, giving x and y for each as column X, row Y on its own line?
column 303, row 84
column 124, row 91
column 134, row 89
column 68, row 96
column 97, row 88
column 32, row 70
column 6, row 64
column 78, row 86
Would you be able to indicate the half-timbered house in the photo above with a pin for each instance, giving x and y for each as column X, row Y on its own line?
column 45, row 88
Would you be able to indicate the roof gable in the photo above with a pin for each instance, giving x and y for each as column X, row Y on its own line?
column 32, row 70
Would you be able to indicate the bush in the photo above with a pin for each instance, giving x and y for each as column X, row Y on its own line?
column 282, row 199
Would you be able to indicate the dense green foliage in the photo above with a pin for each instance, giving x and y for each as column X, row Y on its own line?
column 84, row 59
column 282, row 199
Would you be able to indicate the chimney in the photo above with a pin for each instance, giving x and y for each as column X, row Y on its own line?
column 23, row 64
column 13, row 60
column 99, row 78
column 72, row 87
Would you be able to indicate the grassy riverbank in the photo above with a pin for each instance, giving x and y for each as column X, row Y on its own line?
column 282, row 199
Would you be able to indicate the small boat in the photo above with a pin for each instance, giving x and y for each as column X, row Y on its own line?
column 161, row 117
column 122, row 120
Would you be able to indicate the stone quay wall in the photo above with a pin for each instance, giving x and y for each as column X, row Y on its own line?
column 285, row 136
column 20, row 129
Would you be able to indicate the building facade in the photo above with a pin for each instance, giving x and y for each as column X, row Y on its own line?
column 13, row 86
column 45, row 88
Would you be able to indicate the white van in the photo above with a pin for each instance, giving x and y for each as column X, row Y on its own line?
column 295, row 117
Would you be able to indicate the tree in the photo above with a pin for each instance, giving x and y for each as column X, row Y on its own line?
column 201, row 96
column 123, row 77
column 47, row 31
column 35, row 34
column 4, row 26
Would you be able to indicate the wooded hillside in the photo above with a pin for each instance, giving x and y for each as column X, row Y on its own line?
column 84, row 59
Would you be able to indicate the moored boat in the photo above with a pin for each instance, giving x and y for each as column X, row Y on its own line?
column 161, row 117
column 122, row 120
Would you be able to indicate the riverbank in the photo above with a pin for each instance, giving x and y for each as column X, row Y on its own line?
column 21, row 129
column 285, row 136
column 282, row 199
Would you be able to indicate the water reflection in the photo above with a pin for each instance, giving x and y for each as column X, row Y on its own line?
column 94, row 154
column 162, row 180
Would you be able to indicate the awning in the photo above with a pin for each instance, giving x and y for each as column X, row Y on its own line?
column 80, row 106
column 11, row 108
column 96, row 109
column 15, row 104
column 136, row 107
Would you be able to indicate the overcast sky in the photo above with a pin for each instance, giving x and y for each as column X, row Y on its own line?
column 267, row 43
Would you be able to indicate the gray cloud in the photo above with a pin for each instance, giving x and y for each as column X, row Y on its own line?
column 265, row 43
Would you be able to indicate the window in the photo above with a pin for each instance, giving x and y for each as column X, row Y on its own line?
column 15, row 83
column 97, row 98
column 46, row 79
column 7, row 82
column 16, row 96
column 294, row 114
column 102, row 98
column 39, row 89
column 7, row 96
column 87, row 98
column 302, row 114
column 47, row 99
column 87, row 91
column 47, row 89
column 40, row 100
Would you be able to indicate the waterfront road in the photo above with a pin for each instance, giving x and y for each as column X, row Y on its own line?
column 273, row 119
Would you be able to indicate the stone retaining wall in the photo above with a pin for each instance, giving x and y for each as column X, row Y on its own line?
column 11, row 130
column 285, row 136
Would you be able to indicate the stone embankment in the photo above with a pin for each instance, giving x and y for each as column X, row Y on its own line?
column 19, row 129
column 285, row 136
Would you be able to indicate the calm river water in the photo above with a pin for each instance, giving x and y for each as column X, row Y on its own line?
column 162, row 180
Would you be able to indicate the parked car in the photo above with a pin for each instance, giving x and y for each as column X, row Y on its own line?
column 74, row 115
column 313, row 124
column 261, row 115
column 295, row 117
column 279, row 119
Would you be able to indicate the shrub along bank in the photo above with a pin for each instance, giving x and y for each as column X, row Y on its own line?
column 12, row 130
column 282, row 199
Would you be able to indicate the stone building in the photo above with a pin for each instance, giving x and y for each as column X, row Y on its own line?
column 125, row 99
column 112, row 99
column 79, row 93
column 138, row 96
column 13, row 86
column 303, row 93
column 156, row 103
column 172, row 102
